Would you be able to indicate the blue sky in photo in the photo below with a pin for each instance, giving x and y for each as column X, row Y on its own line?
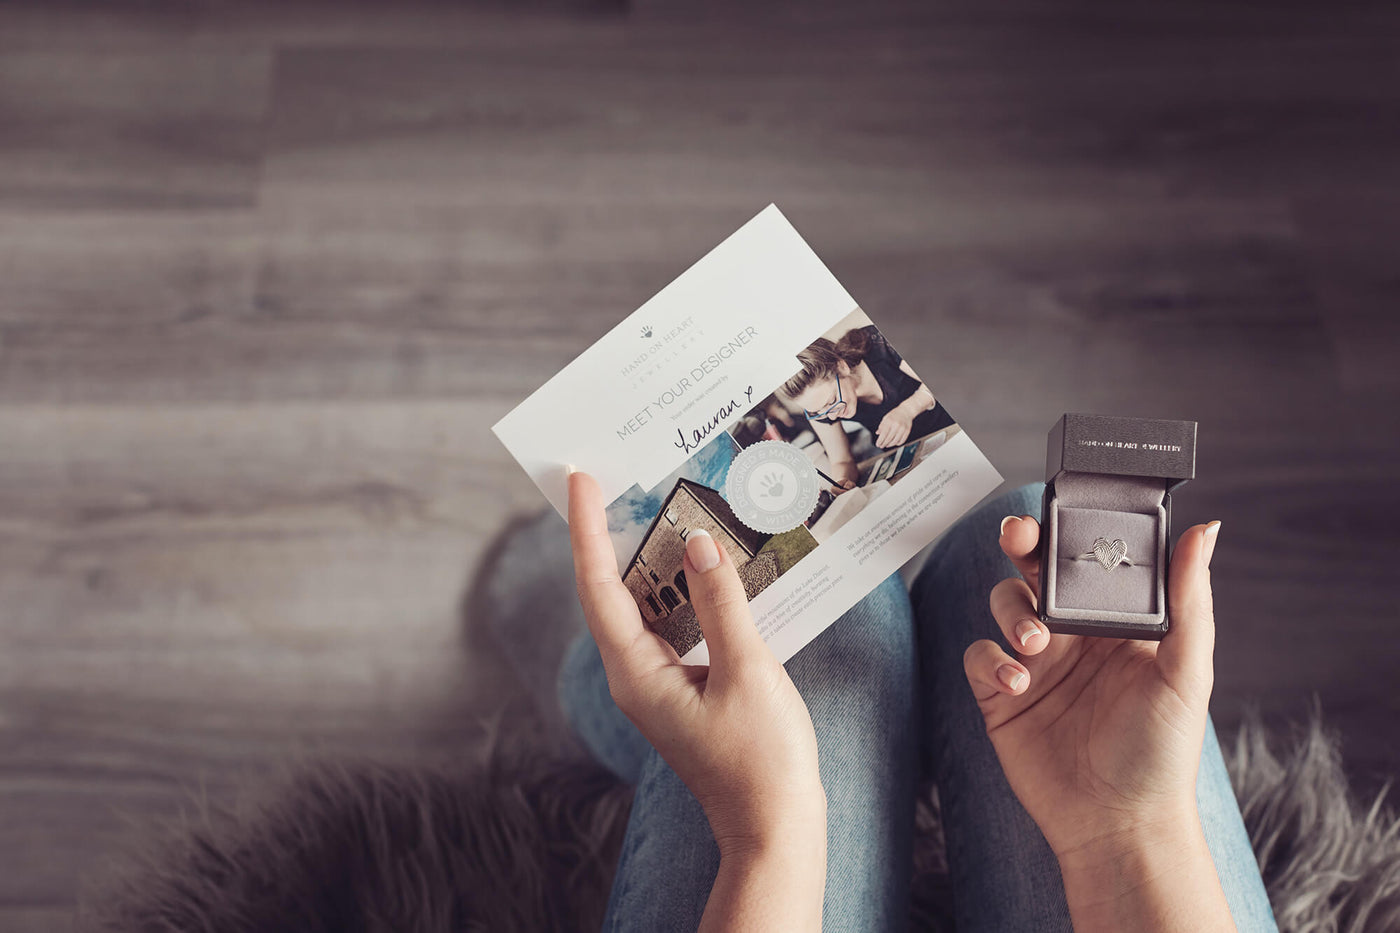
column 631, row 515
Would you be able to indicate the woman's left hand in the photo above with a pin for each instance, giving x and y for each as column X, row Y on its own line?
column 894, row 428
column 736, row 732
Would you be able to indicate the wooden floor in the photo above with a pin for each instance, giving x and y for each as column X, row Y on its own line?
column 268, row 274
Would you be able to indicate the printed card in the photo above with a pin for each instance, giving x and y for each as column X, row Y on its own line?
column 753, row 399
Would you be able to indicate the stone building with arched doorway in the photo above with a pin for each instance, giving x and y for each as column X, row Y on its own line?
column 654, row 574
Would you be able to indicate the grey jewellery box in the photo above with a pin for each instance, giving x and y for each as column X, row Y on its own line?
column 1106, row 523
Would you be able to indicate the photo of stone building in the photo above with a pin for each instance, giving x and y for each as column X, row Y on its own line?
column 655, row 575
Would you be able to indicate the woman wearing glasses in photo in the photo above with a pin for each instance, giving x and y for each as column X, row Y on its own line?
column 861, row 378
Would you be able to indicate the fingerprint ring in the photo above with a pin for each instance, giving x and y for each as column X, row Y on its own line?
column 1109, row 554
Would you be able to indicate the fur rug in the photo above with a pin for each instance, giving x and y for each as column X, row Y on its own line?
column 1328, row 862
column 530, row 845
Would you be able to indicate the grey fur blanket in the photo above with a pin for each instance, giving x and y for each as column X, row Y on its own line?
column 530, row 845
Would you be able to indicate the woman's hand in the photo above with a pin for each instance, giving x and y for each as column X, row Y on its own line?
column 846, row 478
column 845, row 475
column 894, row 427
column 1100, row 738
column 737, row 733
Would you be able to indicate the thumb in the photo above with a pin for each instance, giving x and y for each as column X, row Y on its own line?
column 721, row 605
column 1186, row 652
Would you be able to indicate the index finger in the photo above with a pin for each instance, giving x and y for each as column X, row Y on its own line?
column 1020, row 541
column 612, row 614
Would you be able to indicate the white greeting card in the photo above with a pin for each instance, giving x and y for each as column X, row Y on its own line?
column 752, row 398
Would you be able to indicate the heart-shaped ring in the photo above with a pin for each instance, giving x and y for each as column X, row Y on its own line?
column 1108, row 553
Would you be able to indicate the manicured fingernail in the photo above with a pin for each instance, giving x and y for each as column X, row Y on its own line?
column 1012, row 677
column 1009, row 518
column 570, row 469
column 1212, row 532
column 1026, row 631
column 702, row 549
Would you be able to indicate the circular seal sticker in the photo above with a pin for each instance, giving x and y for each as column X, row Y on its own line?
column 772, row 487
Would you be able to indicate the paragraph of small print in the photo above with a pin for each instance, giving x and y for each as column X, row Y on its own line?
column 891, row 526
column 799, row 600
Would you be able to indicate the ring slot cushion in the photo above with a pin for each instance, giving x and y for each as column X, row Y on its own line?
column 1083, row 589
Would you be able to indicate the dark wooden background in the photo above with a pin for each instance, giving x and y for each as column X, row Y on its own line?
column 269, row 273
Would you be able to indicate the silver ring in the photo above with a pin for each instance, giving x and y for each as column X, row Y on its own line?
column 1108, row 553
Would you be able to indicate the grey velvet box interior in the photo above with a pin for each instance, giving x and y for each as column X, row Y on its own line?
column 1088, row 506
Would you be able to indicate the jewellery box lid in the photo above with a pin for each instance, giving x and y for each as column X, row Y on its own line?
column 1084, row 443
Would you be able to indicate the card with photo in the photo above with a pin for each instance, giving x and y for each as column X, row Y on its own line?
column 753, row 399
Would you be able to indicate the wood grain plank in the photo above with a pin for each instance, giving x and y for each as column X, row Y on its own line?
column 121, row 129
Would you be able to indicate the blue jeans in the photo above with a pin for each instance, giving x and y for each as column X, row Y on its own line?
column 889, row 701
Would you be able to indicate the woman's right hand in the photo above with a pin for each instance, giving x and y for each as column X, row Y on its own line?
column 1097, row 734
column 1100, row 739
column 847, row 476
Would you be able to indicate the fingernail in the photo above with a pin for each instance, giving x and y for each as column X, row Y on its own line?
column 1026, row 631
column 1212, row 532
column 1012, row 677
column 703, row 551
column 1009, row 518
column 570, row 469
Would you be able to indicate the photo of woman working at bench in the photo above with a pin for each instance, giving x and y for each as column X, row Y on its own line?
column 859, row 377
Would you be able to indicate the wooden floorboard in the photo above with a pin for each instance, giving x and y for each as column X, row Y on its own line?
column 271, row 271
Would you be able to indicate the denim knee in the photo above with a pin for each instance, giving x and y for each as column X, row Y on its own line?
column 589, row 710
column 877, row 630
column 581, row 663
column 857, row 677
